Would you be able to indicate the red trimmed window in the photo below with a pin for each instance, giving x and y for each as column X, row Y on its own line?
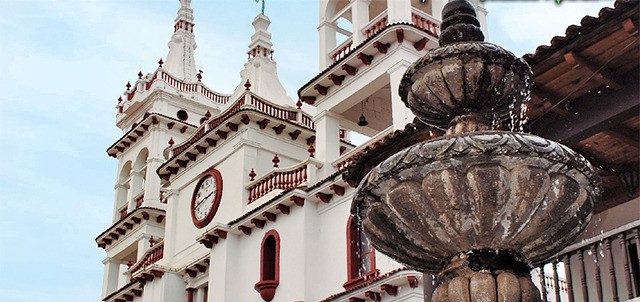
column 361, row 258
column 269, row 266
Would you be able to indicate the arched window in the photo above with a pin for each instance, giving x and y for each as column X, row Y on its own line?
column 361, row 260
column 269, row 265
column 122, row 191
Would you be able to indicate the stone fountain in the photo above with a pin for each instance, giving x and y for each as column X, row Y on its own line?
column 478, row 206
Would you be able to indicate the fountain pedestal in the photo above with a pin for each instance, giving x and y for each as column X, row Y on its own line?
column 477, row 206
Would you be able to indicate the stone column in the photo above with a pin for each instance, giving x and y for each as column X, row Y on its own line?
column 401, row 115
column 327, row 143
column 152, row 182
column 120, row 199
column 359, row 19
column 143, row 245
column 224, row 269
column 137, row 179
column 436, row 8
column 399, row 11
column 327, row 32
column 110, row 278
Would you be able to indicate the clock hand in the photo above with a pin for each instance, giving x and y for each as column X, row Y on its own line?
column 203, row 199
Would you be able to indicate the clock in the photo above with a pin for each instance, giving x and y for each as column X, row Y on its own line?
column 206, row 197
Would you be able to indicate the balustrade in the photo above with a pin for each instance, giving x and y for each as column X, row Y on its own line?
column 604, row 268
column 151, row 256
column 273, row 110
column 278, row 179
column 342, row 50
column 425, row 22
column 376, row 25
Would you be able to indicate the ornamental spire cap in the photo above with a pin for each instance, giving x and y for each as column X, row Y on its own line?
column 261, row 71
column 180, row 61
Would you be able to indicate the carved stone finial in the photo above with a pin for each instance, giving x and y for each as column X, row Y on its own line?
column 459, row 23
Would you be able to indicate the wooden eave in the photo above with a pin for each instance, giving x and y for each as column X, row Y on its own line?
column 138, row 131
column 392, row 33
column 586, row 92
column 212, row 137
column 126, row 224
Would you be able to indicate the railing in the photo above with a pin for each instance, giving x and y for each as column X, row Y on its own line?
column 196, row 87
column 180, row 85
column 604, row 268
column 307, row 121
column 210, row 125
column 278, row 179
column 222, row 99
column 273, row 110
column 425, row 22
column 260, row 105
column 375, row 25
column 342, row 50
column 151, row 256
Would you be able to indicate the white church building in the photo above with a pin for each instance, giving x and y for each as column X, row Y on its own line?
column 239, row 196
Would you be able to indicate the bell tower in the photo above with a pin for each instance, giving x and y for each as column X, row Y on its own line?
column 365, row 48
column 156, row 111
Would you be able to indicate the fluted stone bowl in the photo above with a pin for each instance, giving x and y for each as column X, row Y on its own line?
column 465, row 77
column 480, row 190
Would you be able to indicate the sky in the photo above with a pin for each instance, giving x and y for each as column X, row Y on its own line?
column 63, row 64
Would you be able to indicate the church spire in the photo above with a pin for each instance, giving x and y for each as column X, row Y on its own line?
column 260, row 69
column 180, row 61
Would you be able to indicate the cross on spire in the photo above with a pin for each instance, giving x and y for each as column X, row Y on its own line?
column 262, row 5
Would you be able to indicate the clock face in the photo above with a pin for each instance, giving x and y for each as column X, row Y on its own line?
column 206, row 198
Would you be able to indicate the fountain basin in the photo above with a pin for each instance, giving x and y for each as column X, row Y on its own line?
column 492, row 190
column 465, row 77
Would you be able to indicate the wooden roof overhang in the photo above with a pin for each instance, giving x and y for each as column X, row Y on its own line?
column 371, row 49
column 139, row 129
column 294, row 123
column 586, row 94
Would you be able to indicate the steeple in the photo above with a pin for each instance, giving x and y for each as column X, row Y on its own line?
column 180, row 62
column 260, row 69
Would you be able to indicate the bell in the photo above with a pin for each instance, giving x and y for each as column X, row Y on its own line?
column 362, row 121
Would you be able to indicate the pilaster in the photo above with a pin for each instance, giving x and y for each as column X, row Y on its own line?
column 401, row 115
column 359, row 18
column 327, row 141
column 327, row 32
column 399, row 11
column 221, row 258
column 110, row 277
column 152, row 182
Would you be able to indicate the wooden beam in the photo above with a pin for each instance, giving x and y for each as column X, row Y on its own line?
column 593, row 113
column 624, row 135
column 549, row 100
column 602, row 74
